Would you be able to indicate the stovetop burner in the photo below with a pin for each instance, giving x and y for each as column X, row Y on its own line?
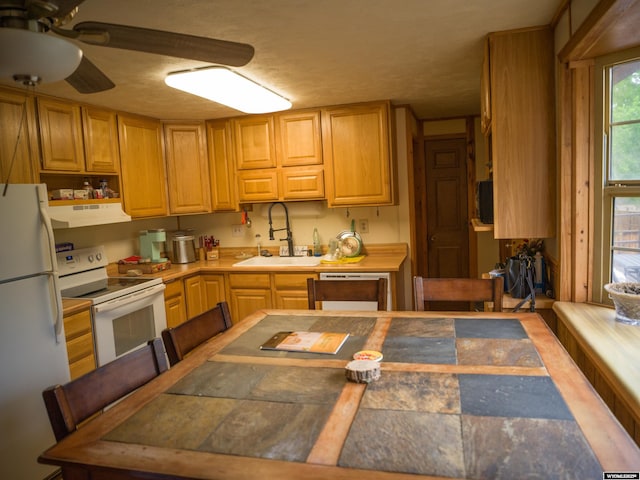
column 83, row 274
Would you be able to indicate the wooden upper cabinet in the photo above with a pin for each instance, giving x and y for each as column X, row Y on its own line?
column 255, row 142
column 187, row 169
column 485, row 92
column 523, row 132
column 142, row 166
column 358, row 155
column 299, row 138
column 60, row 135
column 221, row 166
column 100, row 140
column 17, row 124
column 291, row 168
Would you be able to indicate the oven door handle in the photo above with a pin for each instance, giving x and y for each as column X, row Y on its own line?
column 133, row 297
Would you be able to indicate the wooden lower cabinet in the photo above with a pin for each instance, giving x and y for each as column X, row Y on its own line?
column 290, row 290
column 191, row 296
column 174, row 302
column 79, row 337
column 248, row 292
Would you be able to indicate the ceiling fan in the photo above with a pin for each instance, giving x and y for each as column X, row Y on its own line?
column 28, row 21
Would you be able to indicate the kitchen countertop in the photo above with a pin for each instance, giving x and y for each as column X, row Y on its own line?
column 74, row 305
column 378, row 258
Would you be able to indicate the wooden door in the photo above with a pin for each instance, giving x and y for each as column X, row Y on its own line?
column 222, row 179
column 447, row 216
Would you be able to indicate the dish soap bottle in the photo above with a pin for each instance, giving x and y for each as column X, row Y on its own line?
column 317, row 250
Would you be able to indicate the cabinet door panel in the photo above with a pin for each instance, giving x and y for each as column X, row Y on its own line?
column 187, row 170
column 257, row 185
column 299, row 138
column 224, row 195
column 523, row 133
column 100, row 140
column 255, row 145
column 60, row 136
column 246, row 301
column 302, row 183
column 193, row 291
column 142, row 166
column 16, row 110
column 357, row 155
column 213, row 289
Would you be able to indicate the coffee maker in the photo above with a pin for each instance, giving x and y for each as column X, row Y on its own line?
column 153, row 245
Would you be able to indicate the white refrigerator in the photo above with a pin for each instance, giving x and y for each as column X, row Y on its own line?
column 33, row 352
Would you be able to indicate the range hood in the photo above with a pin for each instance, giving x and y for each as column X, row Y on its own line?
column 71, row 216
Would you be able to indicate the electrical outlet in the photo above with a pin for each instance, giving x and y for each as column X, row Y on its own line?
column 236, row 230
column 363, row 225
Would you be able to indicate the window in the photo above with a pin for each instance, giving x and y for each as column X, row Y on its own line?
column 617, row 222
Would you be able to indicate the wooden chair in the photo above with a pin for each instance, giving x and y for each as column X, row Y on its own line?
column 180, row 340
column 70, row 404
column 347, row 290
column 458, row 290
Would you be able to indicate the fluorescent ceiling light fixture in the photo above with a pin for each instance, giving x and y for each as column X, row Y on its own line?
column 224, row 86
column 34, row 57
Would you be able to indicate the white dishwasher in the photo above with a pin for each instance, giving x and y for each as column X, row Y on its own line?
column 356, row 276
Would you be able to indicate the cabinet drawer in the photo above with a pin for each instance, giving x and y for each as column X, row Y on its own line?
column 249, row 280
column 80, row 347
column 302, row 182
column 292, row 281
column 82, row 366
column 77, row 324
column 173, row 289
column 257, row 185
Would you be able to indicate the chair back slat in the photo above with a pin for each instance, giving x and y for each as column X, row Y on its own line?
column 458, row 290
column 347, row 291
column 70, row 404
column 182, row 339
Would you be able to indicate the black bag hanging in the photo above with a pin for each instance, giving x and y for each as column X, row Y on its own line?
column 519, row 275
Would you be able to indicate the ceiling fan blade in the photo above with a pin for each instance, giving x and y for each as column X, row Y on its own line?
column 88, row 78
column 178, row 45
column 65, row 6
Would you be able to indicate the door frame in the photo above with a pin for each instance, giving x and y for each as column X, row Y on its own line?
column 417, row 184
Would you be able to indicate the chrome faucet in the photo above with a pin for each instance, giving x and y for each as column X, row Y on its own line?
column 289, row 238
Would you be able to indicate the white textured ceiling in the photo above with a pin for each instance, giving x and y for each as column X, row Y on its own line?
column 422, row 53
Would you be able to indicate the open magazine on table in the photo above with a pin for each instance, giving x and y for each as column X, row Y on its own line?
column 313, row 342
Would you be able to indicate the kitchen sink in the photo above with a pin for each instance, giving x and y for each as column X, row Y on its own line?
column 279, row 262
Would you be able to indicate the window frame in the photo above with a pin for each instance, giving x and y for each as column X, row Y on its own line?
column 605, row 193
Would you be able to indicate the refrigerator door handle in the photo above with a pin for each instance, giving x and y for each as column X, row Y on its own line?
column 53, row 274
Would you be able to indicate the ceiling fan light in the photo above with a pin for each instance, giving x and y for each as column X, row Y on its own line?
column 24, row 53
column 224, row 86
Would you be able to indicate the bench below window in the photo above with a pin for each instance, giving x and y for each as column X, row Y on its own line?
column 608, row 353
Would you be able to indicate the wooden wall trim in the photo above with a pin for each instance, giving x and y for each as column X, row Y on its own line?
column 612, row 25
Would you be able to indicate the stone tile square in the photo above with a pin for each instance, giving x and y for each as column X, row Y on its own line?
column 513, row 448
column 220, row 379
column 497, row 351
column 300, row 385
column 417, row 391
column 436, row 350
column 489, row 328
column 250, row 341
column 174, row 421
column 408, row 442
column 420, row 327
column 275, row 430
column 511, row 396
